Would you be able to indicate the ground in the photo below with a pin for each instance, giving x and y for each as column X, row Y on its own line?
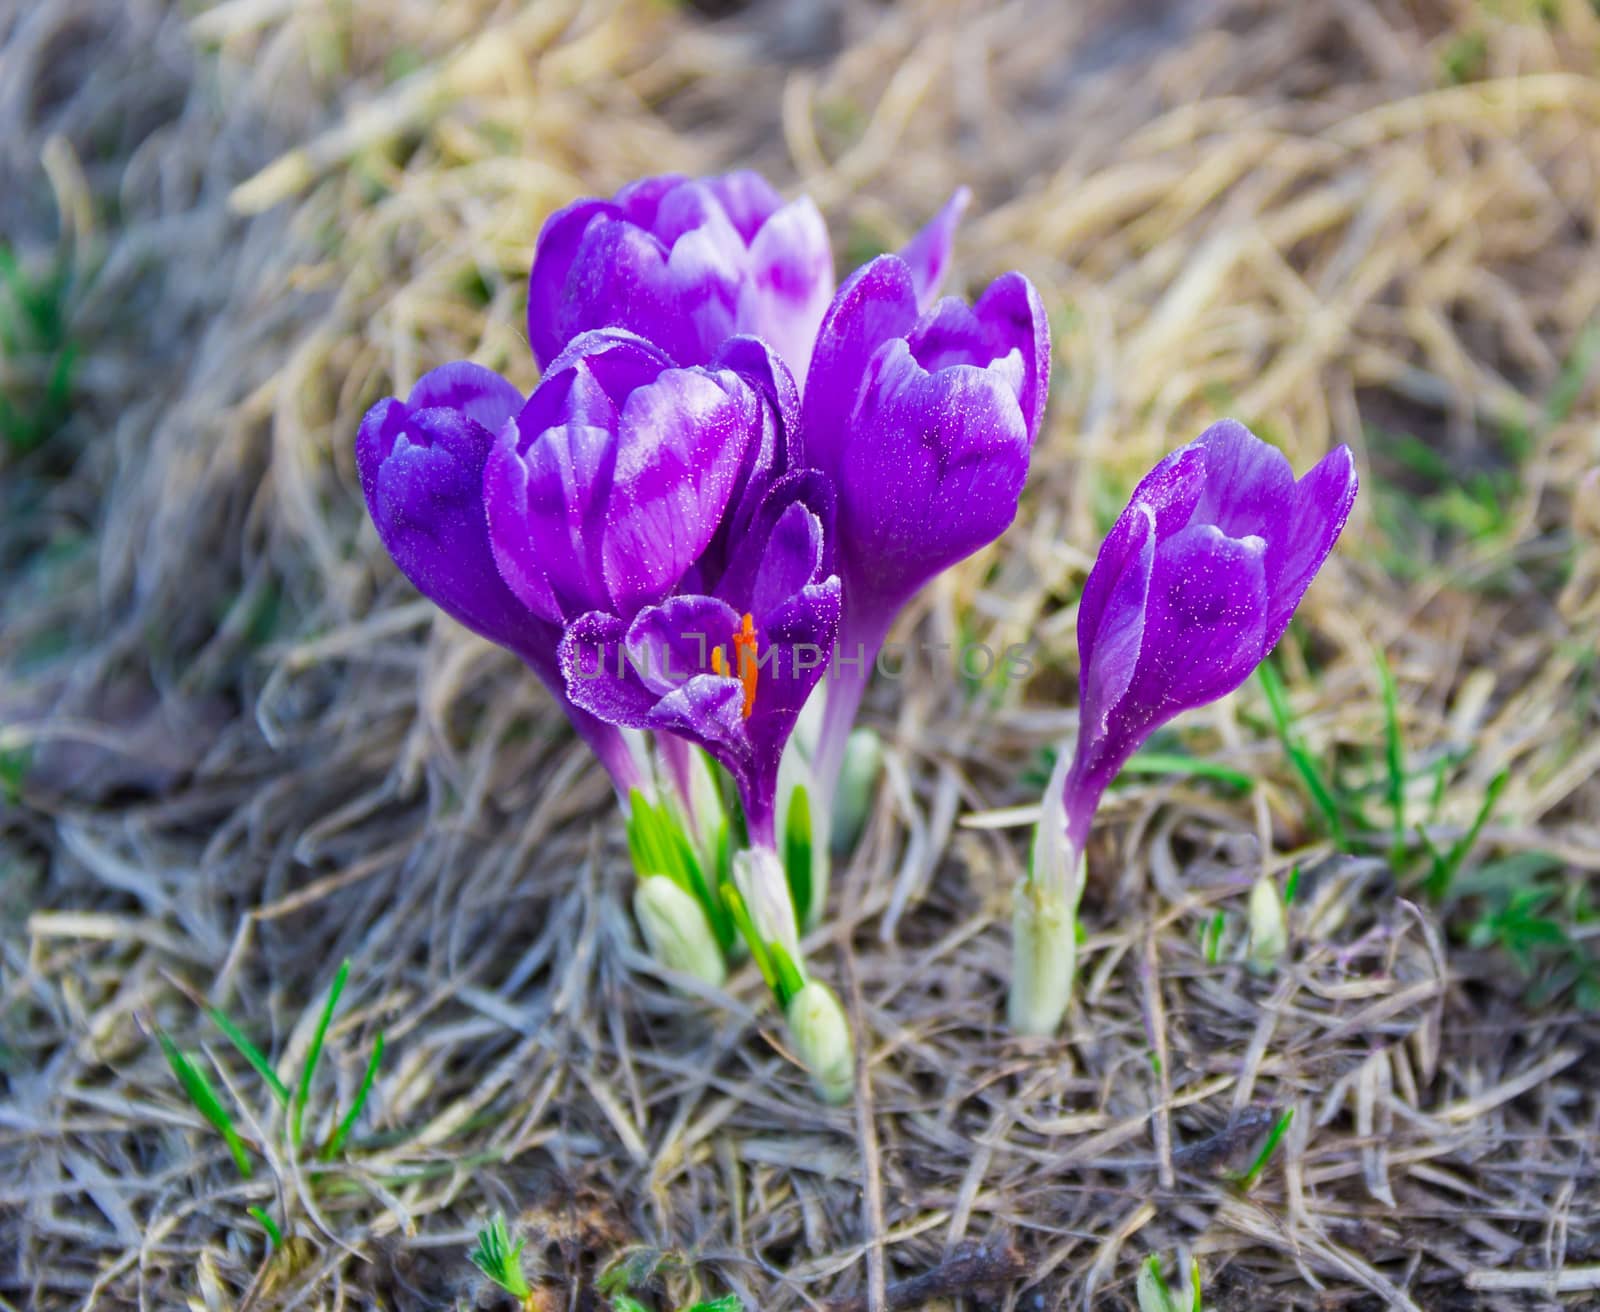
column 236, row 749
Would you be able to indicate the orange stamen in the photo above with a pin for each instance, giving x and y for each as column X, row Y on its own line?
column 719, row 663
column 745, row 643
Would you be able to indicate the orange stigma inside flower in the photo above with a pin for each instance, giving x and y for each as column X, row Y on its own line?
column 746, row 644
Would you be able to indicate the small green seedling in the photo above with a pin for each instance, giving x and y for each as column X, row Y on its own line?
column 500, row 1259
column 293, row 1102
column 1155, row 1295
column 1246, row 1179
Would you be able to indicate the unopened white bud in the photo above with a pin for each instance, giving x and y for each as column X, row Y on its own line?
column 1269, row 926
column 1154, row 1296
column 821, row 1037
column 858, row 778
column 676, row 928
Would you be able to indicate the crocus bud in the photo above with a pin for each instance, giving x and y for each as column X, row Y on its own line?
column 677, row 931
column 822, row 1040
column 1193, row 586
column 858, row 780
column 1154, row 1294
column 1269, row 926
column 759, row 877
column 925, row 423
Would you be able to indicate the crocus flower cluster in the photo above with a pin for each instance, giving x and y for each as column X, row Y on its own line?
column 1193, row 587
column 730, row 479
column 728, row 469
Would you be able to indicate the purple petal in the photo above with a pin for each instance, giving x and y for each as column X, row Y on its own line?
column 622, row 276
column 790, row 283
column 1206, row 621
column 640, row 201
column 709, row 710
column 806, row 490
column 1163, row 499
column 1111, row 616
column 422, row 478
column 478, row 393
column 547, row 496
column 682, row 443
column 673, row 642
column 933, row 471
column 928, row 253
column 554, row 253
column 598, row 674
column 877, row 302
column 800, row 635
column 1322, row 503
column 1013, row 313
column 748, row 199
column 1249, row 486
column 790, row 560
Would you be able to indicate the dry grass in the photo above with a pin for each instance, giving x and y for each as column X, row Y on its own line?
column 251, row 751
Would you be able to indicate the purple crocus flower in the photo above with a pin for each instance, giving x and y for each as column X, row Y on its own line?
column 729, row 670
column 924, row 419
column 688, row 263
column 1192, row 588
column 618, row 475
column 421, row 463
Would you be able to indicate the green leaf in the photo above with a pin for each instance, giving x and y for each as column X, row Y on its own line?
column 627, row 1303
column 297, row 1122
column 251, row 1054
column 205, row 1099
column 1394, row 756
column 1445, row 865
column 1170, row 763
column 1320, row 792
column 797, row 852
column 266, row 1222
column 788, row 979
column 727, row 1303
column 336, row 1141
column 500, row 1259
column 1246, row 1179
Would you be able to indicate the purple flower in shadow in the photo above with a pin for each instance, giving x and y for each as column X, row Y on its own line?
column 730, row 669
column 688, row 263
column 421, row 463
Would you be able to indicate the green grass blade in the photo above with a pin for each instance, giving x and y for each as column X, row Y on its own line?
column 1317, row 788
column 1394, row 757
column 297, row 1122
column 797, row 852
column 1246, row 1179
column 268, row 1224
column 727, row 1303
column 252, row 1054
column 1172, row 763
column 339, row 1136
column 1447, row 864
column 205, row 1099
